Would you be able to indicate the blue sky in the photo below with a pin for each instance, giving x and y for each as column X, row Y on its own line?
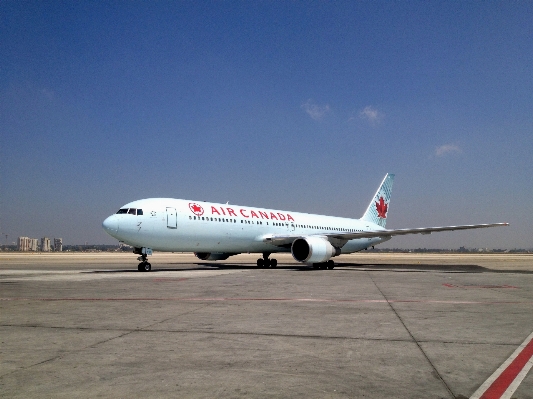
column 288, row 105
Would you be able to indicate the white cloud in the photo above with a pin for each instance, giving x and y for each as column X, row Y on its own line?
column 447, row 149
column 49, row 94
column 316, row 112
column 371, row 114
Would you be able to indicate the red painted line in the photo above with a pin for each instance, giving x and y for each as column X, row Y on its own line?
column 500, row 385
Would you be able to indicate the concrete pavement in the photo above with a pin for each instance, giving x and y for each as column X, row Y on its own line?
column 375, row 327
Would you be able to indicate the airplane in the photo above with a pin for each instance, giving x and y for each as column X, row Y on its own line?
column 216, row 231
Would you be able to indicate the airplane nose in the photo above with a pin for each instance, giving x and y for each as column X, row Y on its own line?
column 110, row 225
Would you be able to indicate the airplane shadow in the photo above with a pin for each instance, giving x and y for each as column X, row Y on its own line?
column 364, row 267
column 356, row 267
column 201, row 267
column 417, row 267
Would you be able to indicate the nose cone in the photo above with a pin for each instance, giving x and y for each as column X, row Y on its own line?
column 110, row 225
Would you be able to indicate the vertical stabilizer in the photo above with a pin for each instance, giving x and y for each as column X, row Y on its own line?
column 378, row 208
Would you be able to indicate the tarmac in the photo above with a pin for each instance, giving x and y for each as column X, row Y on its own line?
column 377, row 326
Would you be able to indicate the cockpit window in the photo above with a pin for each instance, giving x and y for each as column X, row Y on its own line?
column 130, row 211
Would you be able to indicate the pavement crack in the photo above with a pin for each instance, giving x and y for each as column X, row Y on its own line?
column 95, row 344
column 147, row 328
column 62, row 355
column 435, row 371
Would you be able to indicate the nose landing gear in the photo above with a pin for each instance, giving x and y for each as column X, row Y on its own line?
column 144, row 266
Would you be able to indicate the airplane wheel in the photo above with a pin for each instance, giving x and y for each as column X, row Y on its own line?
column 260, row 262
column 323, row 266
column 144, row 267
column 273, row 262
column 331, row 264
column 316, row 266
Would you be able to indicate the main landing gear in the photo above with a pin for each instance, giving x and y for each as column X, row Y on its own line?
column 266, row 262
column 326, row 265
column 144, row 266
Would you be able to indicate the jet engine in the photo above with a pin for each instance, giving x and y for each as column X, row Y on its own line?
column 212, row 255
column 313, row 250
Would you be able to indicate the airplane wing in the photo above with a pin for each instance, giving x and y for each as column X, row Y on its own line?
column 340, row 238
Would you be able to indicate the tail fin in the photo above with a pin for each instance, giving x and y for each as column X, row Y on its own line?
column 379, row 206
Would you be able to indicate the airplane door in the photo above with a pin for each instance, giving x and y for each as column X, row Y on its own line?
column 172, row 218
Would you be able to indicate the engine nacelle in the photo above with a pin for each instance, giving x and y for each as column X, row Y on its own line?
column 212, row 255
column 313, row 250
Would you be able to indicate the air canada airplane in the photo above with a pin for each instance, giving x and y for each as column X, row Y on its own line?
column 217, row 231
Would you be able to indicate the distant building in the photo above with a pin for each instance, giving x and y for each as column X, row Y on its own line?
column 24, row 244
column 34, row 244
column 45, row 244
column 58, row 244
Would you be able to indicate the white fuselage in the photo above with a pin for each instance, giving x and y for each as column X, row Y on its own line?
column 176, row 225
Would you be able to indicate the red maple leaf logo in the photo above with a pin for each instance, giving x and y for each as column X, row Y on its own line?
column 196, row 209
column 381, row 207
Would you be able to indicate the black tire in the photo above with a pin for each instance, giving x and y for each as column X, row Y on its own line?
column 147, row 267
column 140, row 267
column 273, row 262
column 316, row 266
column 260, row 263
column 331, row 264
